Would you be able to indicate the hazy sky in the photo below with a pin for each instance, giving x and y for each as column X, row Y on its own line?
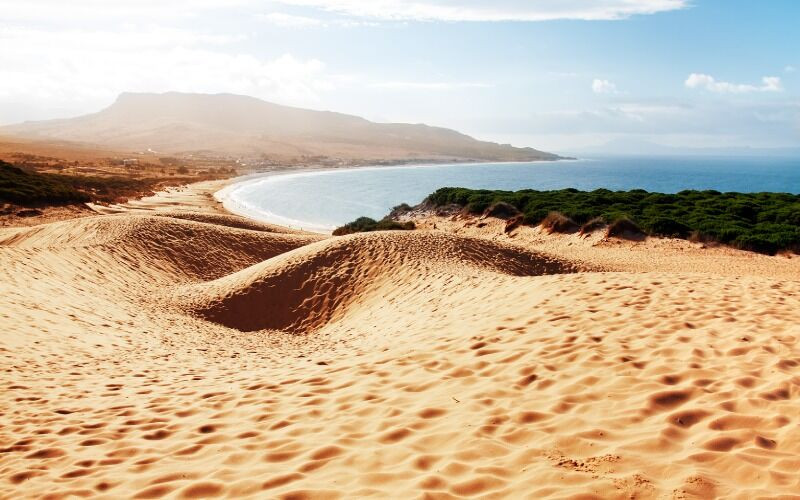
column 553, row 74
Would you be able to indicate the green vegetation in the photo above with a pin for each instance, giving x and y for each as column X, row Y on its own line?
column 365, row 224
column 23, row 188
column 34, row 189
column 762, row 222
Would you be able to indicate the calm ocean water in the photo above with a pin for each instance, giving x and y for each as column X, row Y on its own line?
column 326, row 199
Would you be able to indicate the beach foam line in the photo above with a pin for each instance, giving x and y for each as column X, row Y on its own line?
column 235, row 204
column 232, row 203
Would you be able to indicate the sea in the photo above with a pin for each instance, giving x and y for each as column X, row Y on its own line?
column 321, row 200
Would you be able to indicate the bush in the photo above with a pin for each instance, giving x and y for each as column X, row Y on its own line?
column 664, row 226
column 556, row 222
column 31, row 188
column 28, row 188
column 501, row 210
column 593, row 225
column 367, row 224
column 752, row 221
column 756, row 243
column 513, row 223
column 624, row 228
column 400, row 209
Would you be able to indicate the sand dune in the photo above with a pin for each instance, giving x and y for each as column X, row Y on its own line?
column 303, row 290
column 152, row 356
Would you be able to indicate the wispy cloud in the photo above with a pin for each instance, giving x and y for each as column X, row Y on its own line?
column 285, row 20
column 125, row 10
column 701, row 80
column 497, row 10
column 754, row 123
column 603, row 87
column 642, row 112
column 789, row 69
column 289, row 20
column 427, row 85
column 87, row 69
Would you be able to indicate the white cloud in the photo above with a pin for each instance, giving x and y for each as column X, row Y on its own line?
column 752, row 123
column 603, row 87
column 643, row 112
column 284, row 20
column 427, row 85
column 29, row 39
column 290, row 21
column 497, row 10
column 771, row 84
column 85, row 70
column 700, row 80
column 123, row 10
column 790, row 69
column 408, row 10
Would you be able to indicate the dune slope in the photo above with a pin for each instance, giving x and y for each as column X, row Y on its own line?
column 303, row 290
column 149, row 356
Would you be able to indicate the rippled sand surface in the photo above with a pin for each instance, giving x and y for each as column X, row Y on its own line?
column 195, row 356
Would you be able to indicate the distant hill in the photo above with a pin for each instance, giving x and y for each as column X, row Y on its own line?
column 227, row 124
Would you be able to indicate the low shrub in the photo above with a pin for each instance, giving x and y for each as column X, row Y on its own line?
column 30, row 188
column 625, row 228
column 760, row 222
column 400, row 209
column 757, row 243
column 513, row 223
column 367, row 224
column 592, row 225
column 556, row 222
column 501, row 210
column 664, row 226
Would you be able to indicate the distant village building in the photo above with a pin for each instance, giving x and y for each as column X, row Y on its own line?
column 130, row 162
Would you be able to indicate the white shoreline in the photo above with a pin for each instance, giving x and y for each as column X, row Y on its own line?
column 235, row 206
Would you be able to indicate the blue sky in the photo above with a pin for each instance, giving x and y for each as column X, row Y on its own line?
column 553, row 74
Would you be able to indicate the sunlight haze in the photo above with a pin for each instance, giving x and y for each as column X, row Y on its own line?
column 549, row 74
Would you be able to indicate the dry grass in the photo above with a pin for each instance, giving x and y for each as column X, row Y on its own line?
column 556, row 222
column 513, row 223
column 626, row 229
column 501, row 210
column 593, row 225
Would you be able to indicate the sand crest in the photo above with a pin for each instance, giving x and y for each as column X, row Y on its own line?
column 197, row 356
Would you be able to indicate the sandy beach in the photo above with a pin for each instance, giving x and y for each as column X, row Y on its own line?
column 167, row 349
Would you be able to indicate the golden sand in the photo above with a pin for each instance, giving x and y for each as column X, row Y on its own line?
column 195, row 355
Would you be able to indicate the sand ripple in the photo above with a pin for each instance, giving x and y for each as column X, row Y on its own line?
column 154, row 357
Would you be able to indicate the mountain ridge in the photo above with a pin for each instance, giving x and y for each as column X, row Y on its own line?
column 231, row 124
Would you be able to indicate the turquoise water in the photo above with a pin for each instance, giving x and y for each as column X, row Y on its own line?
column 327, row 199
